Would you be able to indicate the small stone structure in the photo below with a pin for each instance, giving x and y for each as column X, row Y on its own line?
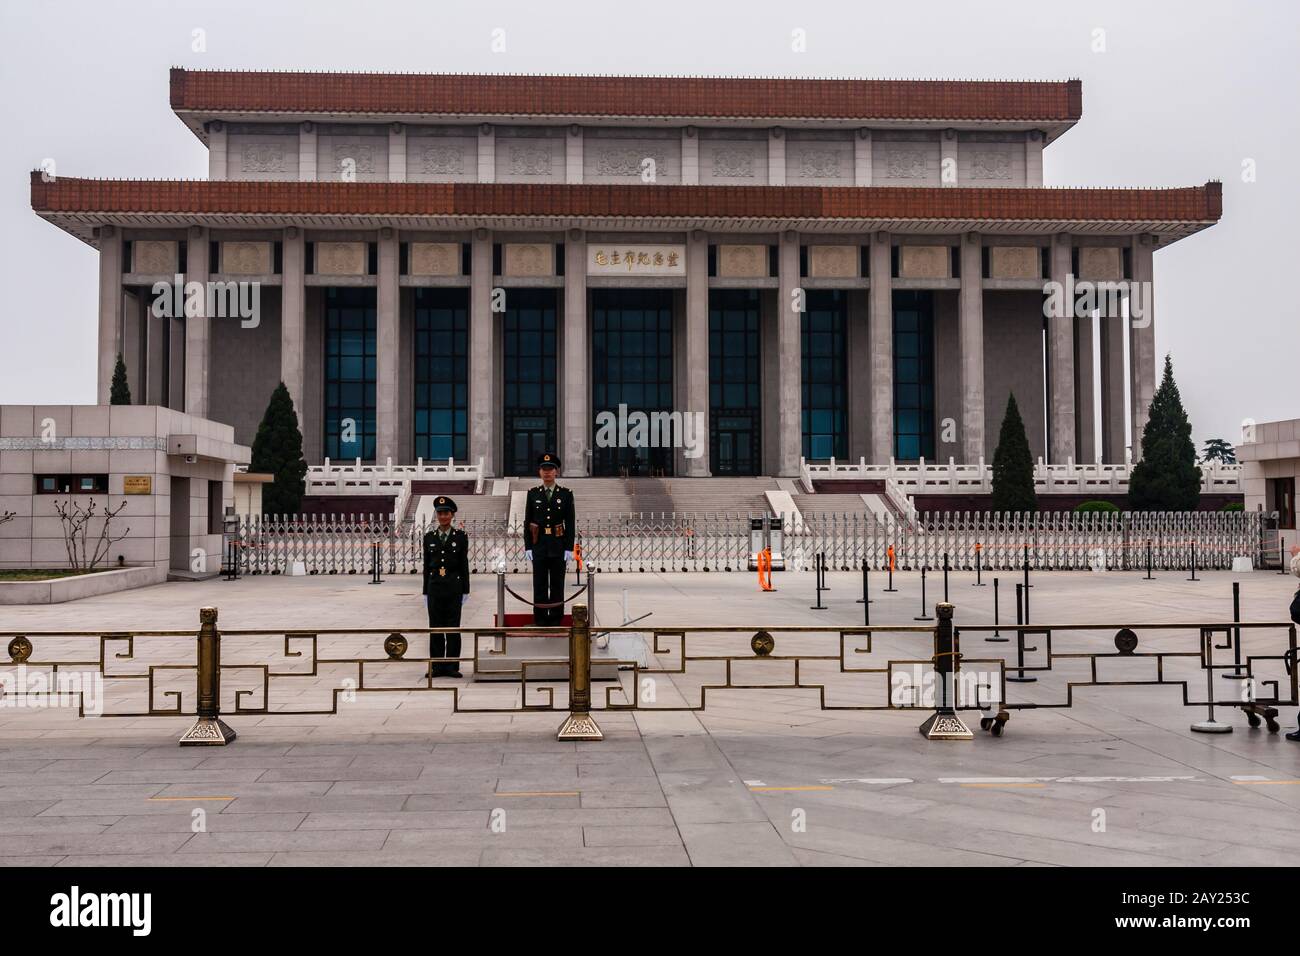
column 173, row 472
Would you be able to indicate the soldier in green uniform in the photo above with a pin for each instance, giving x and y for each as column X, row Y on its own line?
column 549, row 528
column 446, row 585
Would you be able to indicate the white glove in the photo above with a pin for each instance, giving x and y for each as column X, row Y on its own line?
column 528, row 555
column 463, row 599
column 568, row 555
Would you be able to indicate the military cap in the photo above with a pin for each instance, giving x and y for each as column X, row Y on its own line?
column 443, row 503
column 548, row 460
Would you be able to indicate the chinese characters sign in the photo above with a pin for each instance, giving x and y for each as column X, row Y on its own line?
column 604, row 259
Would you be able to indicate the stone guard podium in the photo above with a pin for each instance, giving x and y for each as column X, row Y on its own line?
column 502, row 660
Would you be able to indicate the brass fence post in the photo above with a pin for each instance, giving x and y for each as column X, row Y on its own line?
column 209, row 729
column 579, row 725
column 945, row 723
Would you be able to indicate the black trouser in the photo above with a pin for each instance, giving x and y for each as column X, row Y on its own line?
column 444, row 611
column 548, row 588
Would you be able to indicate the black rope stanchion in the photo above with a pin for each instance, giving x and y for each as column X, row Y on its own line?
column 1236, row 673
column 822, row 557
column 374, row 564
column 1193, row 577
column 1281, row 555
column 1149, row 578
column 923, row 616
column 890, row 555
column 996, row 636
column 979, row 566
column 865, row 599
column 1019, row 676
column 945, row 577
column 818, row 570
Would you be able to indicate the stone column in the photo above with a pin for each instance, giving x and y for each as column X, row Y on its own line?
column 970, row 319
column 1034, row 158
column 573, row 147
column 948, row 170
column 1114, row 412
column 862, row 158
column 293, row 319
column 110, row 309
column 1142, row 338
column 690, row 156
column 776, row 156
column 576, row 427
column 1084, row 391
column 482, row 350
column 487, row 165
column 1060, row 357
column 217, row 151
column 387, row 350
column 397, row 153
column 882, row 349
column 789, row 378
column 198, row 328
column 175, row 363
column 697, row 349
column 307, row 152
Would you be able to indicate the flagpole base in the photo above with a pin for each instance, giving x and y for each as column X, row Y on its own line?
column 579, row 727
column 940, row 726
column 208, row 732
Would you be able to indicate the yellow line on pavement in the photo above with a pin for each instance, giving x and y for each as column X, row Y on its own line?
column 766, row 789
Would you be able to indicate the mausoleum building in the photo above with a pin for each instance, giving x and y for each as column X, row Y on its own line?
column 480, row 267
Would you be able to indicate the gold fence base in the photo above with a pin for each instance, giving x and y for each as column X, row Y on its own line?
column 579, row 727
column 945, row 727
column 207, row 732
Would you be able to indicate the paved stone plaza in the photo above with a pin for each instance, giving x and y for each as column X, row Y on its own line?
column 761, row 777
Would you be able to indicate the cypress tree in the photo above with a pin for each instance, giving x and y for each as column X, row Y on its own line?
column 1013, row 466
column 119, row 392
column 1167, row 478
column 277, row 450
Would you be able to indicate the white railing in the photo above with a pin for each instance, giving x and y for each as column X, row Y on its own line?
column 357, row 479
column 951, row 478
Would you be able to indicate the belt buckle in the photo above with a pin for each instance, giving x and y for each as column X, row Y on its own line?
column 546, row 531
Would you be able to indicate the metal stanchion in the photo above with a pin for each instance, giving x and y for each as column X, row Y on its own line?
column 1236, row 673
column 819, row 568
column 865, row 599
column 1149, row 559
column 945, row 723
column 209, row 730
column 1281, row 555
column 374, row 564
column 579, row 725
column 997, row 633
column 945, row 577
column 979, row 566
column 890, row 555
column 923, row 616
column 1209, row 725
column 1193, row 577
column 1020, row 677
column 821, row 556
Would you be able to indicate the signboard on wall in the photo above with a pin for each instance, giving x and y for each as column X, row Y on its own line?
column 615, row 259
column 137, row 485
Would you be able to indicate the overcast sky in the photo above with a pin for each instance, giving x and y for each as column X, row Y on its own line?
column 1183, row 92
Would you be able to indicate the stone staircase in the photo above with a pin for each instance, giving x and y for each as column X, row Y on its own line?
column 619, row 496
column 829, row 504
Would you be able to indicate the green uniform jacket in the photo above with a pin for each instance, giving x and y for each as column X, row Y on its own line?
column 446, row 563
column 549, row 526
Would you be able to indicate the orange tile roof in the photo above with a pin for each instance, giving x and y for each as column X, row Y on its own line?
column 218, row 91
column 200, row 197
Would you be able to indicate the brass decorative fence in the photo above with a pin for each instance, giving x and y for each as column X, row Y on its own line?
column 722, row 542
column 214, row 675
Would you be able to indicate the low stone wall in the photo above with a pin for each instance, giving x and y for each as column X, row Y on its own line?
column 59, row 590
